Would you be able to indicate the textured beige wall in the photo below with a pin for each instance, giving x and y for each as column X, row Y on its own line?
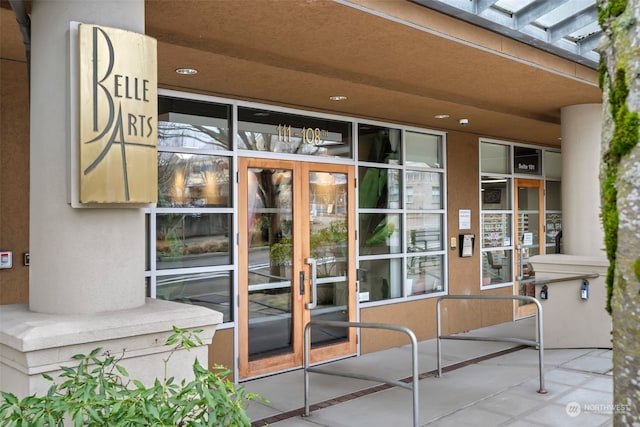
column 221, row 349
column 14, row 179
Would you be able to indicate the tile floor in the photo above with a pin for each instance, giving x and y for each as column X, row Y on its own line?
column 484, row 384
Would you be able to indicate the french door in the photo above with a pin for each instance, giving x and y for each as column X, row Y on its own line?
column 297, row 262
column 529, row 196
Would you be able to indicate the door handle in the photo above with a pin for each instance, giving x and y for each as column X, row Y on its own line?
column 314, row 285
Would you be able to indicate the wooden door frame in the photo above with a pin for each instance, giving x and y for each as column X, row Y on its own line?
column 328, row 352
column 528, row 310
column 300, row 315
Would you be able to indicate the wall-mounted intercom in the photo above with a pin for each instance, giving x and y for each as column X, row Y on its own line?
column 465, row 245
column 6, row 259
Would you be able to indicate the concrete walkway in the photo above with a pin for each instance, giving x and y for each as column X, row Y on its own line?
column 484, row 384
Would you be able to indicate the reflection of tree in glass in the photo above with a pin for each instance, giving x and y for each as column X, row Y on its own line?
column 328, row 247
column 272, row 187
column 186, row 135
column 167, row 164
column 170, row 237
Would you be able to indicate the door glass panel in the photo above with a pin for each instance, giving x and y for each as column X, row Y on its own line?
column 528, row 232
column 270, row 236
column 328, row 246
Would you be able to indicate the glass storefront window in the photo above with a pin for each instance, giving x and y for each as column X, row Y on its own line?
column 193, row 223
column 190, row 180
column 423, row 190
column 552, row 164
column 213, row 290
column 424, row 232
column 380, row 233
column 497, row 266
column 553, row 217
column 378, row 144
column 380, row 279
column 392, row 197
column 496, row 230
column 193, row 125
column 423, row 150
column 278, row 132
column 553, row 228
column 424, row 275
column 192, row 240
column 494, row 158
column 379, row 188
column 496, row 193
column 553, row 196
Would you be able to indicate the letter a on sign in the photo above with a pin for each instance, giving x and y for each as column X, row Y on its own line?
column 118, row 116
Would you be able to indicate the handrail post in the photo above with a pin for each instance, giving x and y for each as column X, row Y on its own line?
column 438, row 334
column 414, row 389
column 539, row 342
column 343, row 324
column 541, row 390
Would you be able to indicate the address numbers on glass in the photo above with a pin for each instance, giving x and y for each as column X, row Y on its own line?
column 309, row 135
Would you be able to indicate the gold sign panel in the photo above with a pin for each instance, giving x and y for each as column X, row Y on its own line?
column 118, row 108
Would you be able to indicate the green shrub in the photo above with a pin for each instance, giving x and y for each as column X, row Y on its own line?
column 100, row 392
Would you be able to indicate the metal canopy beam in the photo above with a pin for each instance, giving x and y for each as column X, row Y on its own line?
column 533, row 11
column 525, row 24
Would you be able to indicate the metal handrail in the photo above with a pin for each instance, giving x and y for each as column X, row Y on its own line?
column 539, row 343
column 543, row 281
column 341, row 324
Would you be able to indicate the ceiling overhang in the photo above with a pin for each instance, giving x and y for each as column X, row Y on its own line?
column 394, row 61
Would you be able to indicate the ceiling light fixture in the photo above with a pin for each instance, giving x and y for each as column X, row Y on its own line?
column 441, row 116
column 338, row 98
column 186, row 71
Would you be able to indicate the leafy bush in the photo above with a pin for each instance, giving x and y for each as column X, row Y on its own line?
column 100, row 392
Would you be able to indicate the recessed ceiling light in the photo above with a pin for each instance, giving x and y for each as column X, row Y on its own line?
column 441, row 116
column 338, row 98
column 186, row 71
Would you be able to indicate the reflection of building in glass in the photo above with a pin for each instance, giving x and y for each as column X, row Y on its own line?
column 187, row 179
